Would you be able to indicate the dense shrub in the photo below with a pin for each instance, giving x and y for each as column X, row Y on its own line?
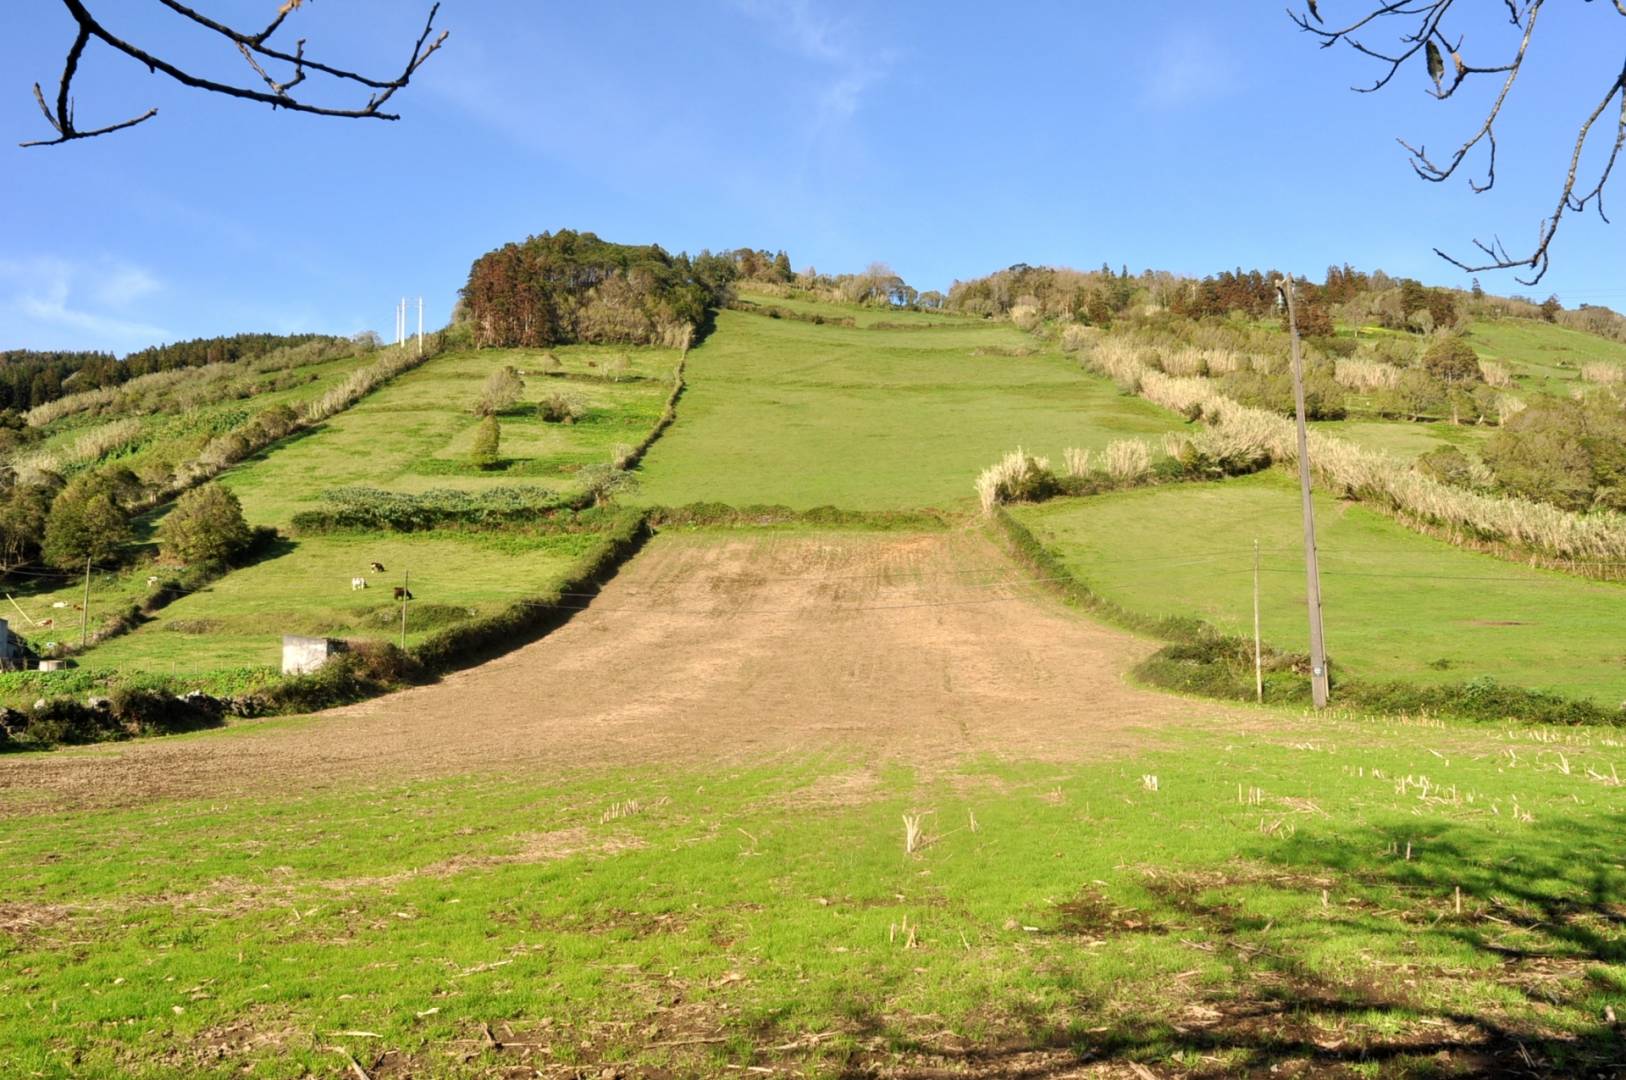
column 1569, row 453
column 485, row 453
column 1273, row 390
column 359, row 508
column 1452, row 360
column 139, row 711
column 1451, row 466
column 205, row 526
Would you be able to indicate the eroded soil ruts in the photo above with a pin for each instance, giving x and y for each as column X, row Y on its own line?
column 707, row 648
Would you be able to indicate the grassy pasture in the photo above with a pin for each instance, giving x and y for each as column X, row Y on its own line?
column 1407, row 441
column 240, row 619
column 1397, row 605
column 783, row 411
column 415, row 433
column 1351, row 896
column 1544, row 358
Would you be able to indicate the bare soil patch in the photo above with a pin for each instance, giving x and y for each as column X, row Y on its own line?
column 707, row 648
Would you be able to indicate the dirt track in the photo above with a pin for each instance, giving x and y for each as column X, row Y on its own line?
column 916, row 648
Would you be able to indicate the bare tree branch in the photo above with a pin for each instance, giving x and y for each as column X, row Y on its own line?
column 1423, row 34
column 253, row 48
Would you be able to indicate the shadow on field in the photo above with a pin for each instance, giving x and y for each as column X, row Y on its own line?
column 1538, row 923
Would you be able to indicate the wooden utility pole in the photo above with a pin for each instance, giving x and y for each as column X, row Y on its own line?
column 406, row 594
column 1312, row 571
column 1258, row 648
column 84, row 617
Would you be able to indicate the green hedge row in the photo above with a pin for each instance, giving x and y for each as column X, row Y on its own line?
column 705, row 514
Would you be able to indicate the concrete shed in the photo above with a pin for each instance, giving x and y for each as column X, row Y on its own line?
column 303, row 655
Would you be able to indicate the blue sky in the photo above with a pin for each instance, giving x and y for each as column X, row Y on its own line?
column 947, row 139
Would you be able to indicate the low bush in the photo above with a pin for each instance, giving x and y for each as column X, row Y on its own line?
column 559, row 408
column 501, row 390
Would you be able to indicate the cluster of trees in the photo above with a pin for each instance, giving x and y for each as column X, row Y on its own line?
column 92, row 519
column 565, row 287
column 1567, row 452
column 1094, row 297
column 877, row 285
column 1345, row 293
column 29, row 378
column 754, row 264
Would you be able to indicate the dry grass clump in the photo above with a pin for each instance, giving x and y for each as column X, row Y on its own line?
column 1016, row 477
column 1076, row 336
column 1076, row 461
column 98, row 442
column 1495, row 374
column 1184, row 362
column 1119, row 361
column 1128, row 459
column 1602, row 374
column 1507, row 407
column 1026, row 317
column 1354, row 373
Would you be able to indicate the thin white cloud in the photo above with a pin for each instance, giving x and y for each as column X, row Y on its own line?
column 92, row 304
column 1187, row 69
column 805, row 28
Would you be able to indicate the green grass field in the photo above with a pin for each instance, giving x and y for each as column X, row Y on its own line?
column 414, row 434
column 1407, row 441
column 784, row 411
column 1251, row 892
column 1543, row 358
column 1336, row 896
column 1397, row 605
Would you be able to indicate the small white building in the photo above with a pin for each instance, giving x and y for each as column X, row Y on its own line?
column 303, row 655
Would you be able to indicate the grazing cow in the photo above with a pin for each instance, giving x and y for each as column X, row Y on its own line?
column 403, row 593
column 377, row 567
column 357, row 583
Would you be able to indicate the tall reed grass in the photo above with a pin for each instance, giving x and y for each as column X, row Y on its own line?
column 1355, row 472
column 1365, row 376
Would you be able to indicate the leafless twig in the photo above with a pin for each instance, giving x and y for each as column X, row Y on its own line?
column 255, row 49
column 1423, row 34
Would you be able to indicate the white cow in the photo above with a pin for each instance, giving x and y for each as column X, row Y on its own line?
column 358, row 583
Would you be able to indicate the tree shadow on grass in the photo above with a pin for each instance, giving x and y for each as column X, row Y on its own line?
column 1542, row 917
